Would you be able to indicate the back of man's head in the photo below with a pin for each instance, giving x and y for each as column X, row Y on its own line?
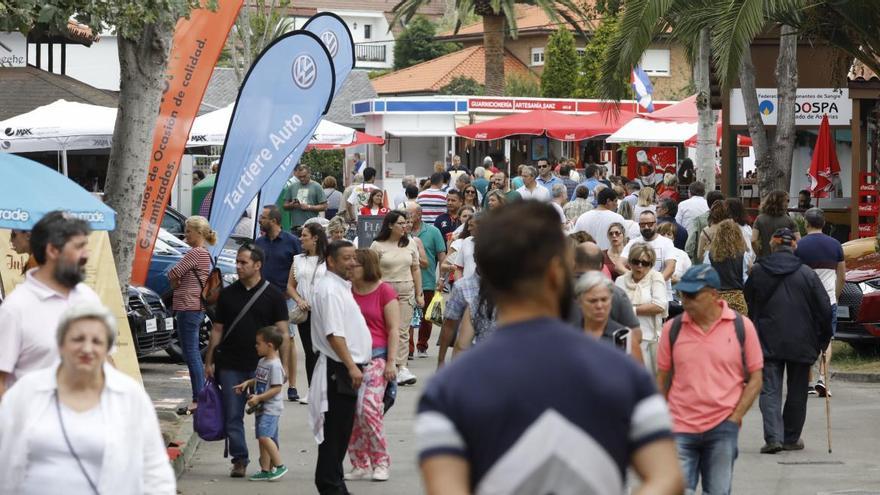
column 713, row 197
column 815, row 218
column 633, row 186
column 369, row 174
column 588, row 257
column 55, row 228
column 581, row 192
column 605, row 195
column 590, row 171
column 436, row 178
column 697, row 188
column 531, row 247
column 564, row 171
column 412, row 192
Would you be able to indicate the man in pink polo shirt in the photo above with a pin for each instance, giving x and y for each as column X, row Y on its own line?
column 702, row 371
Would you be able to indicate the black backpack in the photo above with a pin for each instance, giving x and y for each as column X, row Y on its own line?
column 675, row 329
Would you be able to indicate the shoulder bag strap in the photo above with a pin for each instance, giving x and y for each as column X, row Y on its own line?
column 740, row 328
column 244, row 310
column 674, row 330
column 79, row 463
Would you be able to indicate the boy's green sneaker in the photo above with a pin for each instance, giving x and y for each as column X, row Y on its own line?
column 260, row 476
column 277, row 473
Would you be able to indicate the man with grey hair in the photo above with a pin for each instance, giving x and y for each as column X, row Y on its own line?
column 480, row 181
column 824, row 255
column 30, row 314
column 558, row 198
column 531, row 189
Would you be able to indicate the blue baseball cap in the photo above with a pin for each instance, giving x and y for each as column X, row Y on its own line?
column 697, row 277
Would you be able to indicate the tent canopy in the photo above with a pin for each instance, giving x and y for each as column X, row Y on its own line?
column 61, row 125
column 555, row 125
column 210, row 130
column 654, row 131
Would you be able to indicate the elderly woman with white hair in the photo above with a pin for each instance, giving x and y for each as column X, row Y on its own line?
column 595, row 293
column 81, row 426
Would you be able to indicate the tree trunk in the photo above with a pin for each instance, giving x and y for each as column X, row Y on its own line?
column 765, row 162
column 142, row 65
column 706, row 134
column 493, row 44
column 786, row 83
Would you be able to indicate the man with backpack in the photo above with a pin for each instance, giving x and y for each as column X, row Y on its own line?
column 792, row 311
column 705, row 356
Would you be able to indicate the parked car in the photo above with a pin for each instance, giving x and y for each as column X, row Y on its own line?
column 152, row 325
column 858, row 308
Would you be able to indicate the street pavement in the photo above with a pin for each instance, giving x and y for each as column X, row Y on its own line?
column 853, row 468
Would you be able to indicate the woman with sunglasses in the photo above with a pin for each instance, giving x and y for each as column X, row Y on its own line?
column 399, row 262
column 614, row 259
column 375, row 204
column 471, row 197
column 646, row 289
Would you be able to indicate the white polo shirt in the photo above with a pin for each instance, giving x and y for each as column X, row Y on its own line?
column 335, row 312
column 29, row 322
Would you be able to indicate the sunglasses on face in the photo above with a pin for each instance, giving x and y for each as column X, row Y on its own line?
column 543, row 166
column 642, row 263
column 470, row 192
column 647, row 224
column 689, row 295
column 615, row 233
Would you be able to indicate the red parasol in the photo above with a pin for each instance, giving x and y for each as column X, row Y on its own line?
column 555, row 125
column 824, row 164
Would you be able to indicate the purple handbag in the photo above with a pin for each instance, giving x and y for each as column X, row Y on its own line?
column 208, row 420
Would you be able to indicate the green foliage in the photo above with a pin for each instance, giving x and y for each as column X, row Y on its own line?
column 373, row 74
column 129, row 18
column 517, row 85
column 591, row 67
column 416, row 44
column 560, row 65
column 259, row 23
column 462, row 85
column 324, row 163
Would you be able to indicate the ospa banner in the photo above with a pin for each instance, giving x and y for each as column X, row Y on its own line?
column 281, row 100
column 195, row 49
column 100, row 276
column 337, row 38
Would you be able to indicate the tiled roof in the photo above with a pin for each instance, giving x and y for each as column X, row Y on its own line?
column 222, row 90
column 23, row 89
column 430, row 76
column 528, row 18
column 356, row 87
column 861, row 72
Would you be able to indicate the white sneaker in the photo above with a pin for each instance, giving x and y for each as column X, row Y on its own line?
column 303, row 399
column 405, row 377
column 422, row 354
column 381, row 474
column 358, row 474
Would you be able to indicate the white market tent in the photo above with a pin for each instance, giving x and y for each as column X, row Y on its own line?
column 59, row 126
column 210, row 130
column 654, row 131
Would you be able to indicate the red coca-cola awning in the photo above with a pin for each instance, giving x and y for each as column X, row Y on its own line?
column 555, row 125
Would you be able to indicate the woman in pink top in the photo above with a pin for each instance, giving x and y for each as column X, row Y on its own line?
column 378, row 302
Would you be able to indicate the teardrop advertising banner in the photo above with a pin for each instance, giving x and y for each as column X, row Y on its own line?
column 196, row 45
column 334, row 33
column 285, row 93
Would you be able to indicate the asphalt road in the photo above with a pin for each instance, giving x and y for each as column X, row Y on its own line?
column 853, row 467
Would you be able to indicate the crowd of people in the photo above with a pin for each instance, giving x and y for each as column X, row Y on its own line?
column 673, row 314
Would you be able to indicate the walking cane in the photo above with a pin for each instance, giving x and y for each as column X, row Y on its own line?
column 827, row 399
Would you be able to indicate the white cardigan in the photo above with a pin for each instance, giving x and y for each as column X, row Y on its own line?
column 135, row 460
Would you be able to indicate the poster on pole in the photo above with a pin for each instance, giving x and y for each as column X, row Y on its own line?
column 648, row 163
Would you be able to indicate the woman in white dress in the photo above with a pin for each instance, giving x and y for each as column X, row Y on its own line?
column 306, row 270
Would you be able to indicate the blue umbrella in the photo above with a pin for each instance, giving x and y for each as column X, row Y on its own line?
column 33, row 190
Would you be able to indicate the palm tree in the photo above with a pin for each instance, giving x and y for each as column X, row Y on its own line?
column 498, row 14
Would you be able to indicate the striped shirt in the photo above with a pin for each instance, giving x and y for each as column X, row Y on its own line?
column 433, row 203
column 187, row 295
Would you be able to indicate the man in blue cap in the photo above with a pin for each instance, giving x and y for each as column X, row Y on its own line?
column 710, row 349
column 792, row 311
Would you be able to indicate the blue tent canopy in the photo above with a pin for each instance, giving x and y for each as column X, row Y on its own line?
column 29, row 190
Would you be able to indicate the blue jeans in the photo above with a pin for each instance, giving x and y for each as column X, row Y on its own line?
column 188, row 324
column 233, row 410
column 709, row 455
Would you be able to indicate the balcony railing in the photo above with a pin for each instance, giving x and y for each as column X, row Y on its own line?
column 370, row 53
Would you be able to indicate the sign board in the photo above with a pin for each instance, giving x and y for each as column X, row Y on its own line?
column 13, row 50
column 648, row 163
column 810, row 105
column 528, row 104
column 368, row 227
column 395, row 170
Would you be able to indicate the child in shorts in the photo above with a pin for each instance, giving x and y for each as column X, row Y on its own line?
column 267, row 403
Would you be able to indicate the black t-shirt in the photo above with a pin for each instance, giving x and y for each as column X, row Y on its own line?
column 446, row 225
column 237, row 352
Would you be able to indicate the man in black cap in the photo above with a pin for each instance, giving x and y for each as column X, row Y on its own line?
column 792, row 311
